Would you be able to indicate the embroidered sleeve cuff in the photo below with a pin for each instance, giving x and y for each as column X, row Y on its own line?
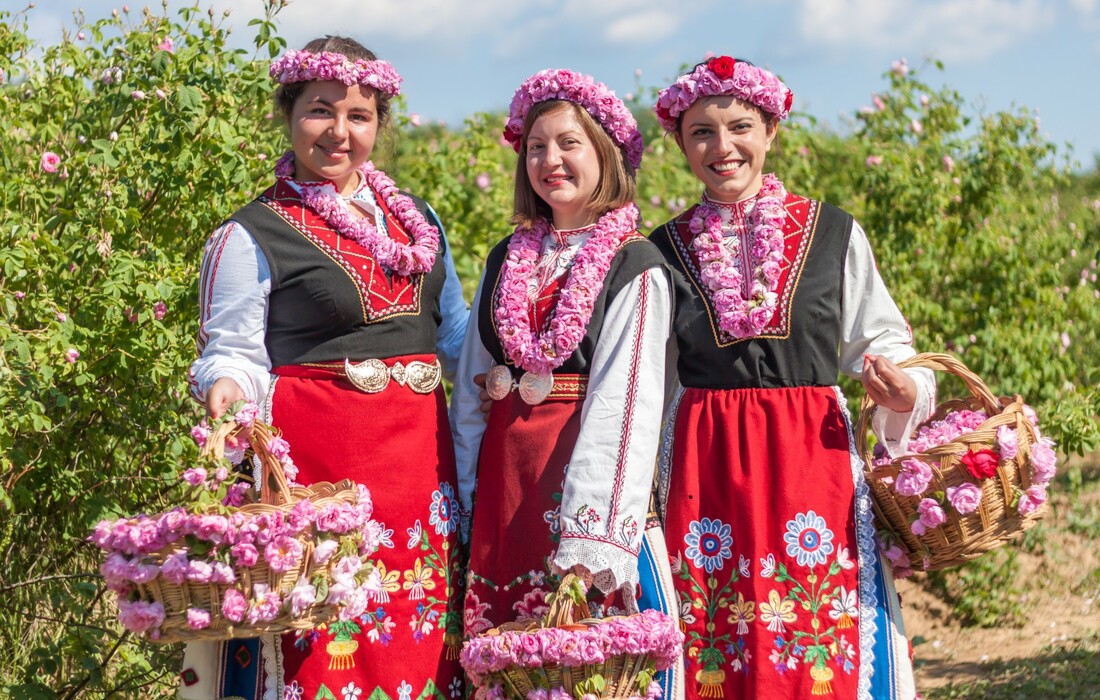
column 612, row 566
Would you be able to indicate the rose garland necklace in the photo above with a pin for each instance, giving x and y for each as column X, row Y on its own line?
column 744, row 307
column 404, row 259
column 541, row 353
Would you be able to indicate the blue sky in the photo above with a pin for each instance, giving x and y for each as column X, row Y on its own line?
column 459, row 57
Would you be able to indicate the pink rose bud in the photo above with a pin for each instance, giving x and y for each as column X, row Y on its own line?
column 70, row 355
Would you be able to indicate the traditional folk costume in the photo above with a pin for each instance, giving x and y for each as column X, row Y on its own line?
column 563, row 469
column 767, row 517
column 344, row 354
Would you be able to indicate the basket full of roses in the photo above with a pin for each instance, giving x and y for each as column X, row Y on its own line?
column 974, row 476
column 568, row 655
column 230, row 563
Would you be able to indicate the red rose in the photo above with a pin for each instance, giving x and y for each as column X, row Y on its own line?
column 663, row 113
column 981, row 464
column 722, row 66
column 788, row 102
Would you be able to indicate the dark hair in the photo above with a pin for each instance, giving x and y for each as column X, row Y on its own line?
column 287, row 95
column 616, row 187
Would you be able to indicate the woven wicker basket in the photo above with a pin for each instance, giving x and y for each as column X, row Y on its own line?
column 622, row 673
column 275, row 496
column 962, row 537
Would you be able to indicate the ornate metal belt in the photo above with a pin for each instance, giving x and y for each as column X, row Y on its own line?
column 372, row 376
column 534, row 388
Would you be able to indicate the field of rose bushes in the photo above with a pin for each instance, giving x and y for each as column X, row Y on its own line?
column 130, row 139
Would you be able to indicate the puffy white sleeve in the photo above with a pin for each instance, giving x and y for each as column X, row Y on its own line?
column 234, row 287
column 467, row 420
column 610, row 476
column 872, row 324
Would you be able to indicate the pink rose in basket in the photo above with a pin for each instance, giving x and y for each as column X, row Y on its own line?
column 1006, row 442
column 197, row 618
column 1031, row 500
column 234, row 605
column 174, row 568
column 964, row 498
column 930, row 516
column 140, row 616
column 1044, row 461
column 266, row 605
column 914, row 477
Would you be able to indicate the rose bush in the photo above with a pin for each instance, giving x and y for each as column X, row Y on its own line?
column 160, row 130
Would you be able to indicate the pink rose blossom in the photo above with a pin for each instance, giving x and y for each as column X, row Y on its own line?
column 279, row 448
column 1031, row 500
column 914, row 478
column 324, row 550
column 1044, row 461
column 414, row 119
column 223, row 573
column 234, row 605
column 266, row 603
column 283, row 554
column 200, row 571
column 244, row 554
column 235, row 495
column 1006, row 442
column 964, row 498
column 166, row 45
column 140, row 616
column 930, row 513
column 873, row 161
column 197, row 618
column 200, row 433
column 301, row 596
column 196, row 476
column 483, row 181
column 71, row 355
column 948, row 164
column 61, row 317
column 247, row 414
column 50, row 162
column 159, row 310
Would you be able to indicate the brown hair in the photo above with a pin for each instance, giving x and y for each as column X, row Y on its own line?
column 616, row 187
column 287, row 95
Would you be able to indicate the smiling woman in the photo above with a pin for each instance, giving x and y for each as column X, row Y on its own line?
column 313, row 298
column 765, row 508
column 572, row 317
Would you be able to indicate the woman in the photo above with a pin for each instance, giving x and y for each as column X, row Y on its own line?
column 767, row 515
column 331, row 300
column 571, row 321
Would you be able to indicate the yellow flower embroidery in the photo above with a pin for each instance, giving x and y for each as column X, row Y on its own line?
column 381, row 583
column 777, row 611
column 743, row 613
column 417, row 580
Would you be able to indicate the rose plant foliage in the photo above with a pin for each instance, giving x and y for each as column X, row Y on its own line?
column 130, row 139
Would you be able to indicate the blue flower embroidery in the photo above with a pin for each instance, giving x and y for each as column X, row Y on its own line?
column 709, row 543
column 443, row 509
column 808, row 540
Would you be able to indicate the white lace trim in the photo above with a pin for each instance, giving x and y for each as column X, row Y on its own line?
column 612, row 567
column 664, row 454
column 272, row 667
column 866, row 552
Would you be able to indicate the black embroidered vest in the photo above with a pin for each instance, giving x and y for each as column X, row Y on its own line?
column 330, row 299
column 799, row 346
column 634, row 257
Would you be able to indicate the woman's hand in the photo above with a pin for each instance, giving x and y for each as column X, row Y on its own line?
column 483, row 396
column 887, row 384
column 221, row 396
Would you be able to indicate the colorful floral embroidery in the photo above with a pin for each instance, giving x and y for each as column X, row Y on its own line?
column 293, row 691
column 809, row 542
column 473, row 615
column 443, row 509
column 708, row 544
column 380, row 626
column 586, row 517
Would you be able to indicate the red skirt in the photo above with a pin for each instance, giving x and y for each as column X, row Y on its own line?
column 520, row 478
column 762, row 530
column 398, row 443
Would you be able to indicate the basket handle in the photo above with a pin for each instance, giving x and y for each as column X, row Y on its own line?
column 940, row 362
column 568, row 603
column 274, row 488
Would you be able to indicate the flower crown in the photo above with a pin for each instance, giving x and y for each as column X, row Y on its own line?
column 301, row 66
column 723, row 75
column 583, row 90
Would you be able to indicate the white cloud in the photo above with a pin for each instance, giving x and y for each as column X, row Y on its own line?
column 954, row 30
column 651, row 25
